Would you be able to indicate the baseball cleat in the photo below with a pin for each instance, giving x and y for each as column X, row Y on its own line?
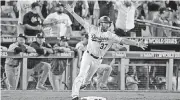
column 76, row 98
column 40, row 87
column 84, row 86
column 104, row 88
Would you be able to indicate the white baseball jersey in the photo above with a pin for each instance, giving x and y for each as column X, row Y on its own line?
column 100, row 42
column 61, row 28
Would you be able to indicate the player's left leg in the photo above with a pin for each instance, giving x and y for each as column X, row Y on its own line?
column 85, row 65
column 93, row 69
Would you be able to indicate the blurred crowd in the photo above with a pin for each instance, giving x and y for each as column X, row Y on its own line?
column 161, row 12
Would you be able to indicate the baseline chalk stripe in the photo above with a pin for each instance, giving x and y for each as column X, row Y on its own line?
column 93, row 98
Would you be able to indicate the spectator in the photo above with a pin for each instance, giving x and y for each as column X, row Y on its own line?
column 3, row 48
column 81, row 47
column 14, row 6
column 37, row 64
column 78, row 10
column 7, row 29
column 32, row 21
column 12, row 65
column 85, row 8
column 131, row 81
column 172, row 5
column 59, row 64
column 138, row 27
column 162, row 19
column 107, row 9
column 104, row 9
column 44, row 9
column 52, row 6
column 125, row 18
column 3, row 3
column 176, row 23
column 96, row 12
column 62, row 22
column 23, row 7
column 153, row 8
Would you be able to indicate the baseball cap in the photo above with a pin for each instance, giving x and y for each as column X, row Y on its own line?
column 104, row 19
column 40, row 35
column 59, row 4
column 22, row 35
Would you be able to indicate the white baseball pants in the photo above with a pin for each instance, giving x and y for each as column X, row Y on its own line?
column 89, row 66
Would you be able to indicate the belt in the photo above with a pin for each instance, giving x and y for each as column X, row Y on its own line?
column 95, row 57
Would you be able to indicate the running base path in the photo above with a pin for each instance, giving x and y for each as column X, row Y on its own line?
column 110, row 95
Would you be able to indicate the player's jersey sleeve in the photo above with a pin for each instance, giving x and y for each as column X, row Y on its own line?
column 50, row 16
column 12, row 47
column 88, row 27
column 69, row 21
column 118, row 4
column 114, row 37
column 80, row 46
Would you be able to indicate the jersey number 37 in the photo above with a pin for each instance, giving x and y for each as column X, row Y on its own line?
column 103, row 45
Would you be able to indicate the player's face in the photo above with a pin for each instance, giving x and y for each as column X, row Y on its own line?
column 21, row 40
column 36, row 9
column 104, row 26
column 127, row 3
column 40, row 40
column 60, row 9
column 166, row 14
column 62, row 43
column 86, row 40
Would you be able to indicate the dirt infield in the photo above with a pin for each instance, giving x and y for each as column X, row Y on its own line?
column 110, row 95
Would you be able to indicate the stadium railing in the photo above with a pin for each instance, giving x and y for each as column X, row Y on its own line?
column 69, row 56
column 122, row 56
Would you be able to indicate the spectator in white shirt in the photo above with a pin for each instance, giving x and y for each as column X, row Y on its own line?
column 61, row 22
column 96, row 12
column 125, row 18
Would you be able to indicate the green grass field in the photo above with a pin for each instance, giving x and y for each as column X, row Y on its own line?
column 110, row 95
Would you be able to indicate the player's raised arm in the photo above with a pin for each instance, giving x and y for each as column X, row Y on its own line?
column 70, row 9
column 140, row 44
column 126, row 41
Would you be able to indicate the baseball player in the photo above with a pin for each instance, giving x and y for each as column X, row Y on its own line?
column 13, row 65
column 102, row 73
column 100, row 40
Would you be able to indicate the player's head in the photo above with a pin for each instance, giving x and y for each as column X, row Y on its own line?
column 40, row 38
column 21, row 39
column 127, row 3
column 85, row 38
column 104, row 23
column 164, row 12
column 60, row 8
column 35, row 6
